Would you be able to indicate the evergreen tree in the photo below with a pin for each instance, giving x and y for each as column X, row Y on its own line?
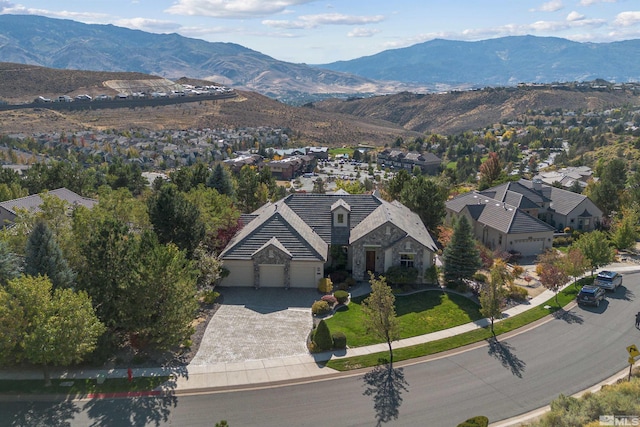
column 426, row 196
column 322, row 337
column 44, row 257
column 220, row 179
column 461, row 258
column 9, row 264
column 175, row 219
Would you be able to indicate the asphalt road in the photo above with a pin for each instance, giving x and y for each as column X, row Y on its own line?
column 499, row 380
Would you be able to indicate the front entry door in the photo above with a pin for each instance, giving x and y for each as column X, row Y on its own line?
column 371, row 261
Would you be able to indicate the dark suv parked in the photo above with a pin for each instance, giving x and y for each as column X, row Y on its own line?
column 591, row 295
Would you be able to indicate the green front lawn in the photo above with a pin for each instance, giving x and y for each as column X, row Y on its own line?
column 418, row 314
column 565, row 297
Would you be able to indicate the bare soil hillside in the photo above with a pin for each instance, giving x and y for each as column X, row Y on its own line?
column 455, row 112
column 22, row 83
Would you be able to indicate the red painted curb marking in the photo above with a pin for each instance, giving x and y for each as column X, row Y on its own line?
column 124, row 394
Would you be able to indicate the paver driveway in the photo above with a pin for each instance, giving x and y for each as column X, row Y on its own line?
column 258, row 324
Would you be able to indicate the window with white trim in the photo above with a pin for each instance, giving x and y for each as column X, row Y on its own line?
column 340, row 218
column 406, row 260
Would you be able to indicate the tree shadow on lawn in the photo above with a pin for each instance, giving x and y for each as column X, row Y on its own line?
column 503, row 352
column 386, row 384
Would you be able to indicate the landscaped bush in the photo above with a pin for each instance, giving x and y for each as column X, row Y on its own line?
column 322, row 337
column 341, row 296
column 479, row 421
column 209, row 297
column 320, row 308
column 330, row 299
column 431, row 274
column 458, row 286
column 399, row 275
column 562, row 241
column 325, row 285
column 339, row 276
column 479, row 277
column 350, row 281
column 517, row 293
column 339, row 340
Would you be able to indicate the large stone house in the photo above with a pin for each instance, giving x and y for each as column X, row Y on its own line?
column 287, row 243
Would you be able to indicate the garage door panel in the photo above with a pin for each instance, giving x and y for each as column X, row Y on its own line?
column 272, row 276
column 529, row 247
column 303, row 276
column 240, row 274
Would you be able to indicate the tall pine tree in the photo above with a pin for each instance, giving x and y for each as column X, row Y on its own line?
column 461, row 258
column 220, row 180
column 44, row 257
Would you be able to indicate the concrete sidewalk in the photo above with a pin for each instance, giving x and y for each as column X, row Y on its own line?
column 265, row 372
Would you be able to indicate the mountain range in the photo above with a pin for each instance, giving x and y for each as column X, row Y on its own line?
column 431, row 66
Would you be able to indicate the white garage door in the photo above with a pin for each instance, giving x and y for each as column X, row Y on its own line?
column 303, row 276
column 272, row 276
column 529, row 247
column 240, row 273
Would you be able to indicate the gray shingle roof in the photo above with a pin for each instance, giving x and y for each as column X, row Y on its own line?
column 562, row 201
column 302, row 223
column 496, row 214
column 398, row 215
column 33, row 202
column 277, row 220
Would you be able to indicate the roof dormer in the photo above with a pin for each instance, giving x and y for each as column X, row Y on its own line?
column 340, row 211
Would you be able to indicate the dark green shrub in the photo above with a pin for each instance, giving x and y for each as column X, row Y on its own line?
column 320, row 308
column 431, row 275
column 339, row 340
column 350, row 281
column 209, row 297
column 479, row 277
column 399, row 275
column 479, row 421
column 339, row 276
column 322, row 337
column 458, row 286
column 342, row 286
column 341, row 296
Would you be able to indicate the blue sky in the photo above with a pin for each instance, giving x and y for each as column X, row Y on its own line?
column 316, row 32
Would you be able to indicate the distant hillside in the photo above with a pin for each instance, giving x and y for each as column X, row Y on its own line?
column 499, row 62
column 65, row 44
column 454, row 112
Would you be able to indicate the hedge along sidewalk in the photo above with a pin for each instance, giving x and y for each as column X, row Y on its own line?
column 470, row 333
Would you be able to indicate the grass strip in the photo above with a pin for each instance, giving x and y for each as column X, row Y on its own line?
column 425, row 349
column 81, row 386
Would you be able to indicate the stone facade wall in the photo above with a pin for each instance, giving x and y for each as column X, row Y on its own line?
column 378, row 240
column 271, row 255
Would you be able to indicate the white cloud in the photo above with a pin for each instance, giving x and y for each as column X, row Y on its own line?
column 575, row 16
column 626, row 19
column 7, row 7
column 233, row 8
column 362, row 32
column 552, row 6
column 314, row 21
column 592, row 2
column 152, row 25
